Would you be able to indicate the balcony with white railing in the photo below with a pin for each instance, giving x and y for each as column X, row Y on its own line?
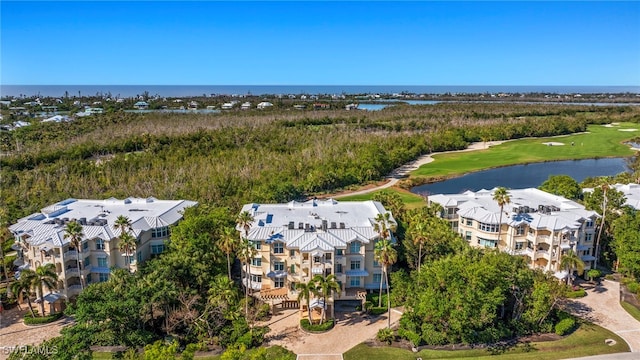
column 544, row 254
column 544, row 239
column 71, row 272
column 70, row 254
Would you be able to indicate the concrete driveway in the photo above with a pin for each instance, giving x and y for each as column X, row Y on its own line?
column 14, row 333
column 350, row 330
column 602, row 307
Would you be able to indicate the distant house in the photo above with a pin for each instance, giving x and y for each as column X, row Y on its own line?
column 56, row 118
column 264, row 105
column 245, row 106
column 351, row 107
column 321, row 106
column 141, row 105
column 227, row 106
column 50, row 109
column 193, row 105
column 299, row 107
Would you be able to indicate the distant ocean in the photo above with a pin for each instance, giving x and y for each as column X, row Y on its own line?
column 208, row 90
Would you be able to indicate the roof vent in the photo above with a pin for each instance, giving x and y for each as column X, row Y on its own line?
column 291, row 225
column 342, row 226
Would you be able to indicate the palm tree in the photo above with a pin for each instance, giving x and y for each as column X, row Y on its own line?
column 73, row 232
column 44, row 275
column 501, row 196
column 246, row 252
column 22, row 287
column 325, row 286
column 572, row 261
column 127, row 244
column 244, row 221
column 386, row 255
column 604, row 187
column 419, row 233
column 123, row 224
column 4, row 236
column 383, row 225
column 306, row 291
column 228, row 244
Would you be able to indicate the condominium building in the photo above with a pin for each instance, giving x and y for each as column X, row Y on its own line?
column 40, row 237
column 631, row 193
column 298, row 240
column 537, row 225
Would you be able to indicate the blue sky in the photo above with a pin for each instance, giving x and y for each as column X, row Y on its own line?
column 320, row 43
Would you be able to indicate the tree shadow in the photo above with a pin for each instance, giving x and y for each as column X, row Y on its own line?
column 580, row 310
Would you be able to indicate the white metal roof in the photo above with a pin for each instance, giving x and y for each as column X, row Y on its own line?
column 314, row 224
column 100, row 215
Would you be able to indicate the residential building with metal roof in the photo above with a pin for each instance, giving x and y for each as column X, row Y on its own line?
column 537, row 225
column 40, row 237
column 297, row 240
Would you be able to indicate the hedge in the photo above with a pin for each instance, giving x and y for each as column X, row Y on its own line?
column 29, row 320
column 377, row 310
column 576, row 294
column 565, row 326
column 327, row 325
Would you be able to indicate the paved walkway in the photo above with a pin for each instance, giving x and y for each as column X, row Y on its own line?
column 14, row 333
column 350, row 330
column 602, row 307
column 401, row 172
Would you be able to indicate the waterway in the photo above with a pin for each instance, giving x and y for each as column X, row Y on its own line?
column 525, row 176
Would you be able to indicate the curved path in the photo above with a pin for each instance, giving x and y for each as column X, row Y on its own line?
column 406, row 169
column 602, row 307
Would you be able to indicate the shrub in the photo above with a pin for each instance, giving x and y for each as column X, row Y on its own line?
column 377, row 310
column 633, row 287
column 263, row 313
column 386, row 335
column 29, row 320
column 576, row 294
column 594, row 274
column 565, row 326
column 327, row 325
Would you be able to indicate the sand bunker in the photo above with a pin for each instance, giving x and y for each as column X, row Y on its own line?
column 553, row 143
column 627, row 129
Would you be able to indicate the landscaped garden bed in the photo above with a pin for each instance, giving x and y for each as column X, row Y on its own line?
column 39, row 320
column 316, row 328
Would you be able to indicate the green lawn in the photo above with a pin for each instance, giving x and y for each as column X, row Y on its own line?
column 599, row 141
column 586, row 341
column 632, row 310
column 409, row 199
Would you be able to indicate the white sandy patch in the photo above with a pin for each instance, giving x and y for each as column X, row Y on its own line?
column 627, row 129
column 611, row 125
column 553, row 143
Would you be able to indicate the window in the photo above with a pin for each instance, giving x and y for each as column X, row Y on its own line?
column 85, row 246
column 354, row 247
column 292, row 286
column 131, row 259
column 588, row 237
column 256, row 262
column 377, row 278
column 316, row 259
column 157, row 249
column 257, row 244
column 355, row 264
column 530, row 245
column 467, row 235
column 160, row 232
column 454, row 225
column 139, row 256
column 338, row 268
column 292, row 269
column 278, row 283
column 292, row 253
column 469, row 222
column 278, row 248
column 102, row 262
column 589, row 223
column 278, row 266
column 87, row 262
column 488, row 243
column 493, row 228
column 99, row 244
column 532, row 232
column 376, row 263
column 103, row 277
column 355, row 281
column 88, row 278
column 327, row 256
column 256, row 278
column 520, row 230
column 339, row 252
column 519, row 246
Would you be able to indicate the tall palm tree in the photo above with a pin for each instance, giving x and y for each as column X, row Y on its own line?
column 571, row 261
column 325, row 286
column 22, row 287
column 305, row 292
column 244, row 221
column 383, row 225
column 501, row 196
column 128, row 245
column 228, row 243
column 73, row 232
column 123, row 223
column 420, row 235
column 44, row 275
column 386, row 255
column 604, row 187
column 246, row 252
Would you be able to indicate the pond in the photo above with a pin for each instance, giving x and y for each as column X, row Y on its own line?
column 525, row 176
